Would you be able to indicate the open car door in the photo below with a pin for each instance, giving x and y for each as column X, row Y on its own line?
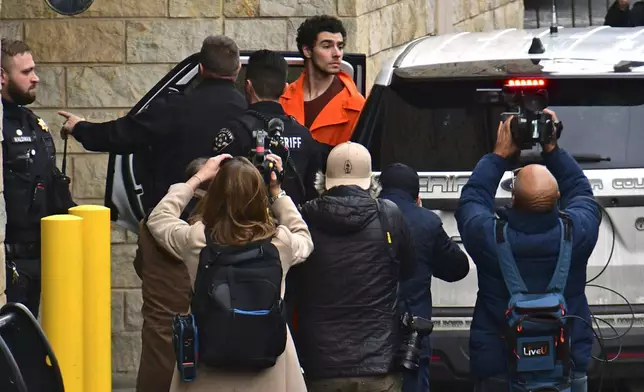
column 123, row 191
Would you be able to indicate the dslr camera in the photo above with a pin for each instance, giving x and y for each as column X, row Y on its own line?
column 530, row 124
column 415, row 329
column 264, row 141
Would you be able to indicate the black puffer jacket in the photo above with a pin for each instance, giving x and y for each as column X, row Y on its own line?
column 347, row 323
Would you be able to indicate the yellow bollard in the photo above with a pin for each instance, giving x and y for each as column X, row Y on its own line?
column 97, row 297
column 62, row 294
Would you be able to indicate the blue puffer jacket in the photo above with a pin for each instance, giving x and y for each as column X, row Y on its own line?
column 535, row 240
column 436, row 255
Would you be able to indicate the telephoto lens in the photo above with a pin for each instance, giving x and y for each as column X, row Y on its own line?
column 411, row 348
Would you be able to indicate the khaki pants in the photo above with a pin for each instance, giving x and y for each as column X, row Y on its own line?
column 166, row 292
column 383, row 383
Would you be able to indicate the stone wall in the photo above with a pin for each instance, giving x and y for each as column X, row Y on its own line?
column 3, row 212
column 98, row 64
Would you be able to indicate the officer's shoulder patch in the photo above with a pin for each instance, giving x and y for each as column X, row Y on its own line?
column 223, row 139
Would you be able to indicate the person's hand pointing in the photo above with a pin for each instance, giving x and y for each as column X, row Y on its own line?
column 70, row 122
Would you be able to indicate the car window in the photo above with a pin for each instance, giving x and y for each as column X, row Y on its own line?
column 192, row 79
column 443, row 126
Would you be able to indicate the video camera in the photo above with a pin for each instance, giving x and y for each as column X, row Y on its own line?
column 416, row 328
column 530, row 124
column 264, row 141
column 526, row 100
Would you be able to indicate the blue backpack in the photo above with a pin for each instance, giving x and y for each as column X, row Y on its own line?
column 537, row 334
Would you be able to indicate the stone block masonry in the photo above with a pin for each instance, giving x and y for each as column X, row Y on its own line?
column 100, row 63
column 3, row 217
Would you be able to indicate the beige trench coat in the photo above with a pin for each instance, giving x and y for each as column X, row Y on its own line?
column 294, row 244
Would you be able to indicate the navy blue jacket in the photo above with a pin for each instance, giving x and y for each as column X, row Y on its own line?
column 436, row 254
column 534, row 238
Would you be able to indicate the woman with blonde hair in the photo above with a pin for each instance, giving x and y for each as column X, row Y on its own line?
column 235, row 212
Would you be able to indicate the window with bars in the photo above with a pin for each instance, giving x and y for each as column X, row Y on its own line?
column 570, row 13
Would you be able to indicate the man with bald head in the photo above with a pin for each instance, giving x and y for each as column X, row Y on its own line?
column 541, row 195
column 534, row 189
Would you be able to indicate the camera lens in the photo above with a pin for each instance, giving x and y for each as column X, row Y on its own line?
column 411, row 354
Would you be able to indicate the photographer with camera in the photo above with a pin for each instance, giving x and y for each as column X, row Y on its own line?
column 237, row 247
column 265, row 127
column 531, row 323
column 348, row 331
column 437, row 256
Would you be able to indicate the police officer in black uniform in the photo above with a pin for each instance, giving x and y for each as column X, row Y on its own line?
column 31, row 179
column 177, row 127
column 265, row 80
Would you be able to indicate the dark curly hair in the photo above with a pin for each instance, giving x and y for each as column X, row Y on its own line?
column 308, row 31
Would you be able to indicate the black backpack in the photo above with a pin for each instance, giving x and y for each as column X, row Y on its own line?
column 238, row 307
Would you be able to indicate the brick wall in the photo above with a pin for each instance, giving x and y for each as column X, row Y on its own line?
column 98, row 64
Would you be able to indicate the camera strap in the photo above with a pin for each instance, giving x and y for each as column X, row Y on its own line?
column 384, row 225
column 186, row 345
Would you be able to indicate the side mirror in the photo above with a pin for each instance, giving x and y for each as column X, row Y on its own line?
column 69, row 7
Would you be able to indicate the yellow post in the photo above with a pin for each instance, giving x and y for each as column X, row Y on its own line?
column 62, row 294
column 97, row 297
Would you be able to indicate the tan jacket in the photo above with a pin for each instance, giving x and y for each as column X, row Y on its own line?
column 292, row 240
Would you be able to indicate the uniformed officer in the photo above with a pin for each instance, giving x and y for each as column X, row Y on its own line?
column 175, row 129
column 31, row 178
column 265, row 80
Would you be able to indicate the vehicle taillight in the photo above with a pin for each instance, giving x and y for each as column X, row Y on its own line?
column 525, row 83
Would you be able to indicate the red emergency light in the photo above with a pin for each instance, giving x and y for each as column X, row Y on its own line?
column 526, row 83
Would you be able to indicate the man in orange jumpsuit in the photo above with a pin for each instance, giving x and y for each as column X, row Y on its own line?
column 323, row 98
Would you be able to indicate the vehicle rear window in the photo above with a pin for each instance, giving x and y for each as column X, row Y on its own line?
column 442, row 126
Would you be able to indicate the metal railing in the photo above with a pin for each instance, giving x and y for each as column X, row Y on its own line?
column 570, row 13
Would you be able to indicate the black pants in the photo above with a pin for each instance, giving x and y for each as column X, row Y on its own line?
column 24, row 289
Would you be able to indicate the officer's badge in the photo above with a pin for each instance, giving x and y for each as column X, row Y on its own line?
column 43, row 125
column 223, row 139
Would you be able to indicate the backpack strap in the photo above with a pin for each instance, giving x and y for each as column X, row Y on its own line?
column 560, row 277
column 509, row 269
column 222, row 257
